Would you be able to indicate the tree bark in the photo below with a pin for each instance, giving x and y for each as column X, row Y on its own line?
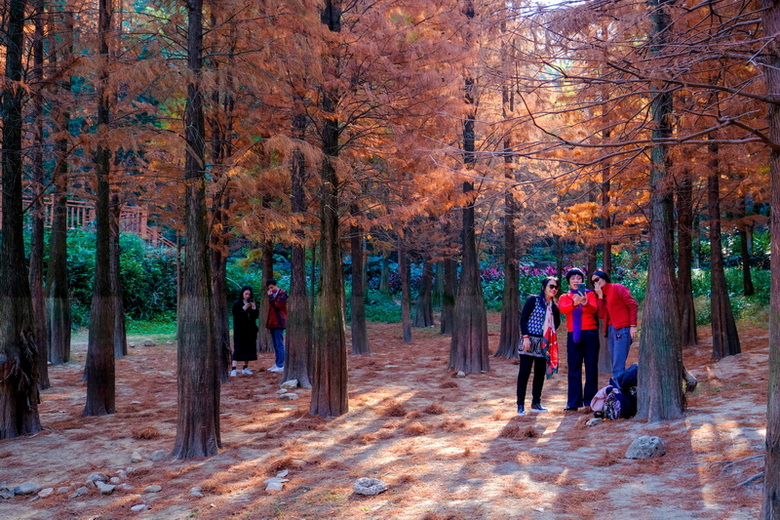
column 688, row 335
column 19, row 393
column 329, row 396
column 264, row 343
column 509, row 339
column 744, row 231
column 404, row 273
column 38, row 211
column 358, row 300
column 770, row 504
column 120, row 330
column 423, row 309
column 449, row 288
column 197, row 426
column 660, row 395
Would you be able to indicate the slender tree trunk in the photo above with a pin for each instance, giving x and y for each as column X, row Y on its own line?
column 358, row 303
column 606, row 223
column 660, row 393
column 688, row 334
column 405, row 274
column 298, row 361
column 38, row 210
column 329, row 396
column 264, row 342
column 770, row 504
column 99, row 370
column 509, row 340
column 19, row 394
column 120, row 331
column 384, row 277
column 197, row 426
column 449, row 289
column 725, row 339
column 423, row 309
column 58, row 311
column 745, row 230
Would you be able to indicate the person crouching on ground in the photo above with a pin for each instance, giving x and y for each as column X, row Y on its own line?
column 276, row 322
column 619, row 311
column 580, row 306
column 245, row 313
column 539, row 320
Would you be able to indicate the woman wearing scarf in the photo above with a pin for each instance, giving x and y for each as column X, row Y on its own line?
column 539, row 348
column 582, row 342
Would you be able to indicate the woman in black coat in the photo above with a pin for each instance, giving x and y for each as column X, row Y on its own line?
column 245, row 314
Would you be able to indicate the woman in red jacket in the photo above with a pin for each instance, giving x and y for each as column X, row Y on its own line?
column 619, row 311
column 582, row 342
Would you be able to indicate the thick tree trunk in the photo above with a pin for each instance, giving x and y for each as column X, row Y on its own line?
column 298, row 361
column 405, row 274
column 358, row 300
column 197, row 426
column 221, row 315
column 449, row 289
column 725, row 339
column 99, row 370
column 660, row 393
column 688, row 334
column 423, row 308
column 120, row 331
column 19, row 394
column 770, row 504
column 38, row 212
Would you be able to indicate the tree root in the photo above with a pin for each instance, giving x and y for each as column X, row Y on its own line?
column 751, row 479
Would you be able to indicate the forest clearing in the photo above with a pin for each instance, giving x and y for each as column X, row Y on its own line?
column 448, row 448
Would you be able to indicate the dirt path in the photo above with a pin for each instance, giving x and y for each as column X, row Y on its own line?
column 448, row 448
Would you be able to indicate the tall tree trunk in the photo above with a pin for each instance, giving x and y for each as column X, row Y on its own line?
column 725, row 339
column 298, row 361
column 197, row 426
column 688, row 334
column 770, row 504
column 660, row 393
column 606, row 222
column 745, row 229
column 99, row 370
column 19, row 394
column 449, row 289
column 58, row 312
column 384, row 277
column 423, row 309
column 509, row 339
column 329, row 379
column 405, row 274
column 38, row 211
column 120, row 330
column 264, row 342
column 358, row 303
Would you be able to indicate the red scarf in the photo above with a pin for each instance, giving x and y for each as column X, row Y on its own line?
column 551, row 342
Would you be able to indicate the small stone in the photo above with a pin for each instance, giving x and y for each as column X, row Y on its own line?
column 46, row 492
column 460, row 373
column 28, row 488
column 169, row 342
column 105, row 489
column 593, row 421
column 83, row 490
column 283, row 473
column 124, row 486
column 6, row 493
column 139, row 507
column 288, row 397
column 62, row 490
column 152, row 489
column 149, row 343
column 95, row 477
column 121, row 474
column 196, row 492
column 646, row 447
column 290, row 384
column 275, row 483
column 369, row 486
column 282, row 391
column 115, row 480
column 135, row 458
column 158, row 455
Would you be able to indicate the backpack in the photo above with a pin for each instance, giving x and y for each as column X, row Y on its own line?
column 620, row 404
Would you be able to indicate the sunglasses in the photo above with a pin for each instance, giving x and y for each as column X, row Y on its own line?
column 552, row 287
column 595, row 280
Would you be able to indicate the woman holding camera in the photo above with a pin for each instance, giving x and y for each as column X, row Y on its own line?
column 245, row 314
column 582, row 341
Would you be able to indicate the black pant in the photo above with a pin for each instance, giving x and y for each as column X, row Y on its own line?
column 585, row 350
column 540, row 368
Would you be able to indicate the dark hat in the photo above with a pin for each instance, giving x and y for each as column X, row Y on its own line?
column 573, row 271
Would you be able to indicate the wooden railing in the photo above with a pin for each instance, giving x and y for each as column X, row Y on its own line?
column 81, row 215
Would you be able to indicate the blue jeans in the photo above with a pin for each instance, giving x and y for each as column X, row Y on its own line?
column 277, row 335
column 619, row 345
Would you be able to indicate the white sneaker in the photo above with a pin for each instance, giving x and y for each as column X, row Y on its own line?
column 276, row 369
column 233, row 373
column 246, row 371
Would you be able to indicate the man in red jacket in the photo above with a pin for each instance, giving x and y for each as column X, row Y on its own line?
column 276, row 321
column 618, row 310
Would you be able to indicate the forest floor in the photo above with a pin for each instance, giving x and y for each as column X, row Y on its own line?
column 448, row 448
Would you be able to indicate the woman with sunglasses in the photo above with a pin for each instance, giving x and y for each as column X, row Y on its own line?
column 619, row 311
column 538, row 350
